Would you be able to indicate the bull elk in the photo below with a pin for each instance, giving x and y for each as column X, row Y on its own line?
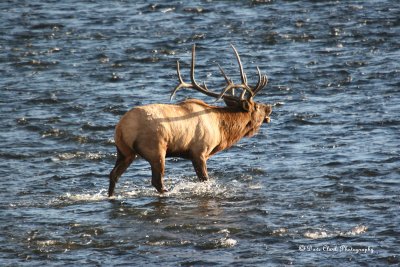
column 190, row 129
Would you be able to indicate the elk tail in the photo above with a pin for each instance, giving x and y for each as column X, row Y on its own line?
column 120, row 143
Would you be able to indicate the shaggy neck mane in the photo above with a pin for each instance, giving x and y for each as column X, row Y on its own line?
column 234, row 125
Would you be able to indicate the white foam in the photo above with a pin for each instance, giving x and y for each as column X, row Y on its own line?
column 355, row 231
column 46, row 243
column 209, row 188
column 280, row 231
column 79, row 155
column 85, row 197
column 224, row 231
column 321, row 234
column 318, row 235
column 227, row 242
column 256, row 186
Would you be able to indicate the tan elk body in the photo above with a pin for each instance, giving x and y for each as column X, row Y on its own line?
column 191, row 129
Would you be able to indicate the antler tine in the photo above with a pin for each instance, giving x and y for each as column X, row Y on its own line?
column 243, row 94
column 227, row 79
column 263, row 83
column 205, row 86
column 242, row 74
column 192, row 78
column 260, row 78
column 181, row 84
column 194, row 84
column 224, row 74
column 232, row 86
column 192, row 64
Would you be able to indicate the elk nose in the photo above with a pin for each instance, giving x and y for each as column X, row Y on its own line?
column 267, row 120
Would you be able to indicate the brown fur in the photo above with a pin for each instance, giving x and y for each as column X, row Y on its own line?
column 191, row 129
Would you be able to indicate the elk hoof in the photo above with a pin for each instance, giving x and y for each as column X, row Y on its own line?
column 163, row 190
column 160, row 188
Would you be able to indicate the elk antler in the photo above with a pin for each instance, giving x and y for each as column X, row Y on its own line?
column 262, row 79
column 262, row 82
column 194, row 84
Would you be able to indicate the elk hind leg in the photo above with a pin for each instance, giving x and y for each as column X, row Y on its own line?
column 120, row 167
column 157, row 172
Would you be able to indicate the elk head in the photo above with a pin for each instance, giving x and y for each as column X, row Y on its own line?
column 244, row 101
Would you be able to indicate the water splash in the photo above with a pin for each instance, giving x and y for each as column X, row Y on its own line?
column 210, row 188
column 85, row 197
column 181, row 188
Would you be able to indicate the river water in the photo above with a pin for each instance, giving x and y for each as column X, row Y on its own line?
column 319, row 185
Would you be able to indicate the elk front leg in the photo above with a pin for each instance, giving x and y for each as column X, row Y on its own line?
column 200, row 166
column 157, row 172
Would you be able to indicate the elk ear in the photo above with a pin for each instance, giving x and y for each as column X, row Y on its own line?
column 230, row 103
column 246, row 105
